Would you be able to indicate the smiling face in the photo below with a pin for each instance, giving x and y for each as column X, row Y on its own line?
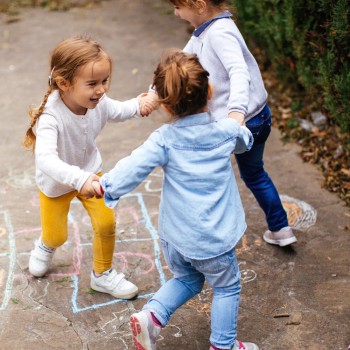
column 90, row 83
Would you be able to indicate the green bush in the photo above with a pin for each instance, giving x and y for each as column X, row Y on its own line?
column 308, row 45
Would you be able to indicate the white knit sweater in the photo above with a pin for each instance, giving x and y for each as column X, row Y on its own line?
column 66, row 153
column 234, row 72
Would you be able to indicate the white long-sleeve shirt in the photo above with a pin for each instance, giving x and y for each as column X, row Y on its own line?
column 66, row 153
column 233, row 70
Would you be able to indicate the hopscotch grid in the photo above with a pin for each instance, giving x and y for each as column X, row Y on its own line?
column 154, row 237
column 77, row 252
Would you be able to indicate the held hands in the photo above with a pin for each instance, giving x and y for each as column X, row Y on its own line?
column 91, row 187
column 238, row 117
column 98, row 188
column 148, row 103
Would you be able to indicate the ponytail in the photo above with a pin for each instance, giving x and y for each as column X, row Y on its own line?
column 34, row 114
column 181, row 83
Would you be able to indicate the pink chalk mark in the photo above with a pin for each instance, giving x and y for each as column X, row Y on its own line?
column 131, row 211
column 122, row 256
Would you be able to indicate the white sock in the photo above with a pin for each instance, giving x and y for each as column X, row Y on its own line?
column 46, row 249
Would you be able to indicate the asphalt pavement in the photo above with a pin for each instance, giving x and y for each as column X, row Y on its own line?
column 293, row 298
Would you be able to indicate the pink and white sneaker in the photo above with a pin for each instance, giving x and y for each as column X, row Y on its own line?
column 241, row 346
column 283, row 237
column 144, row 330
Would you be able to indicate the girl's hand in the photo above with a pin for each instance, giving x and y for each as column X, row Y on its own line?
column 148, row 103
column 238, row 117
column 88, row 190
column 98, row 188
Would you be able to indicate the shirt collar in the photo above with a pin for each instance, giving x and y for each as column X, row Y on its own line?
column 204, row 26
column 193, row 119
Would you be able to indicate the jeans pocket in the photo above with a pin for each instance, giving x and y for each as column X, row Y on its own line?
column 221, row 271
column 260, row 122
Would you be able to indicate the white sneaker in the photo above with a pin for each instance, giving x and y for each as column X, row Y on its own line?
column 40, row 259
column 283, row 237
column 144, row 331
column 113, row 283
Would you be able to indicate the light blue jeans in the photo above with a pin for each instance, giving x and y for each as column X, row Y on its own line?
column 222, row 274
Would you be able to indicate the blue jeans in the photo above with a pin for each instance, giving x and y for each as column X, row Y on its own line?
column 251, row 168
column 222, row 274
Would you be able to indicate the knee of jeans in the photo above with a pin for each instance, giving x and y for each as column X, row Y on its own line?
column 256, row 175
column 232, row 290
column 194, row 284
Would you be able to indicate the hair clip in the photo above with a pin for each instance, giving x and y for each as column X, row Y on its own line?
column 50, row 76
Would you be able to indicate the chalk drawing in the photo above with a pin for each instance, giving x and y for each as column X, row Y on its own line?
column 112, row 327
column 2, row 277
column 247, row 275
column 158, row 174
column 21, row 180
column 300, row 214
column 122, row 257
column 7, row 226
column 177, row 333
column 154, row 265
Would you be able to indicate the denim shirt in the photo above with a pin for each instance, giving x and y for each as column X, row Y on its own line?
column 200, row 212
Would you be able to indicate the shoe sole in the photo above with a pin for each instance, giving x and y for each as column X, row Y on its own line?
column 37, row 274
column 138, row 337
column 280, row 242
column 127, row 296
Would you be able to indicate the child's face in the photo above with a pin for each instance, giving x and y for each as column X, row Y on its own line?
column 189, row 14
column 90, row 84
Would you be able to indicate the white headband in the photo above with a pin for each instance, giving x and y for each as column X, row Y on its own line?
column 50, row 76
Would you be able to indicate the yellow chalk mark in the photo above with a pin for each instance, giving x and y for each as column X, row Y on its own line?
column 2, row 231
column 2, row 274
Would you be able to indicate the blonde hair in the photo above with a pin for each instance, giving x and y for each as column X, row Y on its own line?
column 181, row 83
column 66, row 59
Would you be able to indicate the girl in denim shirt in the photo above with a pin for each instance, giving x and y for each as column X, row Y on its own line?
column 201, row 218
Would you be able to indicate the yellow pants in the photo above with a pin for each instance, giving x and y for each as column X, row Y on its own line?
column 54, row 221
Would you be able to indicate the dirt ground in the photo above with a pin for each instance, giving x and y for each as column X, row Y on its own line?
column 292, row 298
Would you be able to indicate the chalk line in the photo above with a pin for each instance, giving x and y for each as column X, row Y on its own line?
column 12, row 259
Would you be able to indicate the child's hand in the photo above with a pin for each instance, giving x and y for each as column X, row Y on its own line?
column 98, row 188
column 238, row 117
column 148, row 103
column 88, row 190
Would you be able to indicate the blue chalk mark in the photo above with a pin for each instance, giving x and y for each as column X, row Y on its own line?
column 12, row 259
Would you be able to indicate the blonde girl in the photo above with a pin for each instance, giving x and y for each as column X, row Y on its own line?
column 74, row 110
column 201, row 218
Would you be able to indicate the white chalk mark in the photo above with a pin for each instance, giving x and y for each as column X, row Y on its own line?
column 23, row 180
column 148, row 181
column 12, row 259
column 301, row 215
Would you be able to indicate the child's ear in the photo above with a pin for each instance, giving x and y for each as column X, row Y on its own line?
column 210, row 91
column 201, row 6
column 62, row 83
